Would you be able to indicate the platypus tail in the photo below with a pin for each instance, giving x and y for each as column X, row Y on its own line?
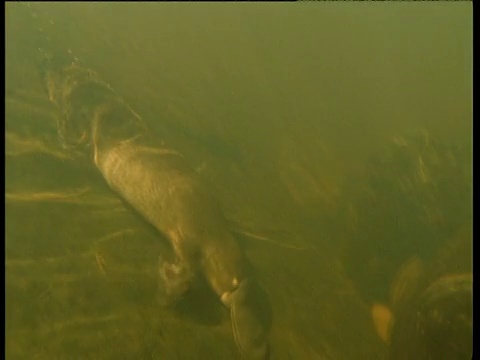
column 48, row 61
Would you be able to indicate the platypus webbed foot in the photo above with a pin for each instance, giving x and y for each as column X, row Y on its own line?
column 176, row 278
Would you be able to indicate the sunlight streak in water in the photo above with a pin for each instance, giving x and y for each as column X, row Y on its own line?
column 17, row 146
column 68, row 197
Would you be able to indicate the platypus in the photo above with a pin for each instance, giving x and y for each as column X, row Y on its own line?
column 161, row 186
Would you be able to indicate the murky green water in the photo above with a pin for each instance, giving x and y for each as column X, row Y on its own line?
column 280, row 108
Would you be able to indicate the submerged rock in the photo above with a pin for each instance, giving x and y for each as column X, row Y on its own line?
column 412, row 198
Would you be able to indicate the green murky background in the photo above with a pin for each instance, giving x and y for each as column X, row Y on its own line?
column 278, row 106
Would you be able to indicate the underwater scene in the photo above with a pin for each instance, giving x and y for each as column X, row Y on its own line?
column 238, row 180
